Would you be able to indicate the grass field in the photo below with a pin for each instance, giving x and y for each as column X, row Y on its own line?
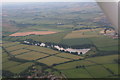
column 19, row 51
column 20, row 68
column 31, row 55
column 12, row 48
column 113, row 67
column 72, row 65
column 105, row 44
column 103, row 59
column 83, row 34
column 76, row 41
column 8, row 44
column 68, row 55
column 76, row 73
column 9, row 64
column 42, row 49
column 53, row 60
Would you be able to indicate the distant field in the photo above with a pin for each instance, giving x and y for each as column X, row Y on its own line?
column 53, row 60
column 32, row 33
column 83, row 34
column 76, row 41
column 31, row 55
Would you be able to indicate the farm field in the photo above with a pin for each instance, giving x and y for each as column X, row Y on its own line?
column 83, row 34
column 42, row 49
column 53, row 60
column 59, row 41
column 76, row 73
column 68, row 55
column 20, row 68
column 31, row 55
column 20, row 51
column 12, row 48
column 102, row 71
column 32, row 33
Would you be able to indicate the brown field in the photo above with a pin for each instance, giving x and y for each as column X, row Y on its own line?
column 33, row 33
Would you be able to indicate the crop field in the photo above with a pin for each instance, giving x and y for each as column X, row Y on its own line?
column 20, row 68
column 72, row 65
column 104, row 59
column 67, row 25
column 68, row 55
column 110, row 44
column 53, row 60
column 31, row 55
column 113, row 67
column 76, row 73
column 76, row 41
column 7, row 44
column 83, row 34
column 19, row 51
column 53, row 38
column 12, row 48
column 94, row 71
column 9, row 64
column 42, row 49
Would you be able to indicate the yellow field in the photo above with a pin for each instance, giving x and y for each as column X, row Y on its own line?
column 68, row 55
column 53, row 60
column 83, row 34
column 42, row 49
column 16, row 47
column 31, row 55
column 19, row 51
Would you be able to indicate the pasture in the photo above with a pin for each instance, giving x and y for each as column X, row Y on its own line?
column 88, row 33
column 53, row 60
column 20, row 68
column 68, row 55
column 13, row 48
column 93, row 70
column 76, row 73
column 31, row 55
column 42, row 49
column 17, row 52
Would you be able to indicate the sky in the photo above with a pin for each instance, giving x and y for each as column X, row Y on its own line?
column 52, row 0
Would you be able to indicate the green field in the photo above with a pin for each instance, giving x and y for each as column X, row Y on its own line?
column 31, row 55
column 20, row 68
column 76, row 73
column 93, row 70
column 68, row 55
column 42, row 49
column 53, row 60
